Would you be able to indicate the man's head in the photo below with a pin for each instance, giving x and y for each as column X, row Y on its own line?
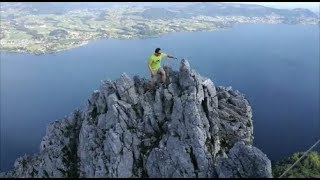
column 157, row 52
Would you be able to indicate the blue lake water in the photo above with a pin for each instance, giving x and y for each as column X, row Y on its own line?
column 275, row 66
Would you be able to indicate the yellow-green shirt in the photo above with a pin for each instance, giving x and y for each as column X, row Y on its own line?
column 155, row 61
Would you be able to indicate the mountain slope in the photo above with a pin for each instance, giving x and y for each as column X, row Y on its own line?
column 224, row 9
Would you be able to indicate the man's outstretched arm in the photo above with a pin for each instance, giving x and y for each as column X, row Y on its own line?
column 171, row 57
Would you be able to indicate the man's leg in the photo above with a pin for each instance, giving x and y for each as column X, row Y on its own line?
column 153, row 81
column 163, row 75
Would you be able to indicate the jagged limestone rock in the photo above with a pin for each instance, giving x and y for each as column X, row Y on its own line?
column 182, row 129
column 244, row 161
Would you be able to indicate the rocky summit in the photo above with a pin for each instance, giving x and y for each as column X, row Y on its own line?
column 187, row 127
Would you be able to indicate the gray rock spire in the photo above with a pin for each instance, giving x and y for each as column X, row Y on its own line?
column 188, row 128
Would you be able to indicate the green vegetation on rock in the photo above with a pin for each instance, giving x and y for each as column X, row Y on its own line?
column 308, row 167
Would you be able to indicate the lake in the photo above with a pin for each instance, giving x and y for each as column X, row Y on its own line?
column 275, row 66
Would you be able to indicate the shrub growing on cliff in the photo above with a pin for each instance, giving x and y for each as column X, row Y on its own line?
column 308, row 167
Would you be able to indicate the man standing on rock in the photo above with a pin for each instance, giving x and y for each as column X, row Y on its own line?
column 154, row 65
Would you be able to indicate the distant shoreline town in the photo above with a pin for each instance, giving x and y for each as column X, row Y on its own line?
column 26, row 31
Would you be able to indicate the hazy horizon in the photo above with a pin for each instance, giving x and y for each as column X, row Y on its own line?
column 312, row 6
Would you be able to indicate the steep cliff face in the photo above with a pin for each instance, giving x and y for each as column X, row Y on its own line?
column 186, row 128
